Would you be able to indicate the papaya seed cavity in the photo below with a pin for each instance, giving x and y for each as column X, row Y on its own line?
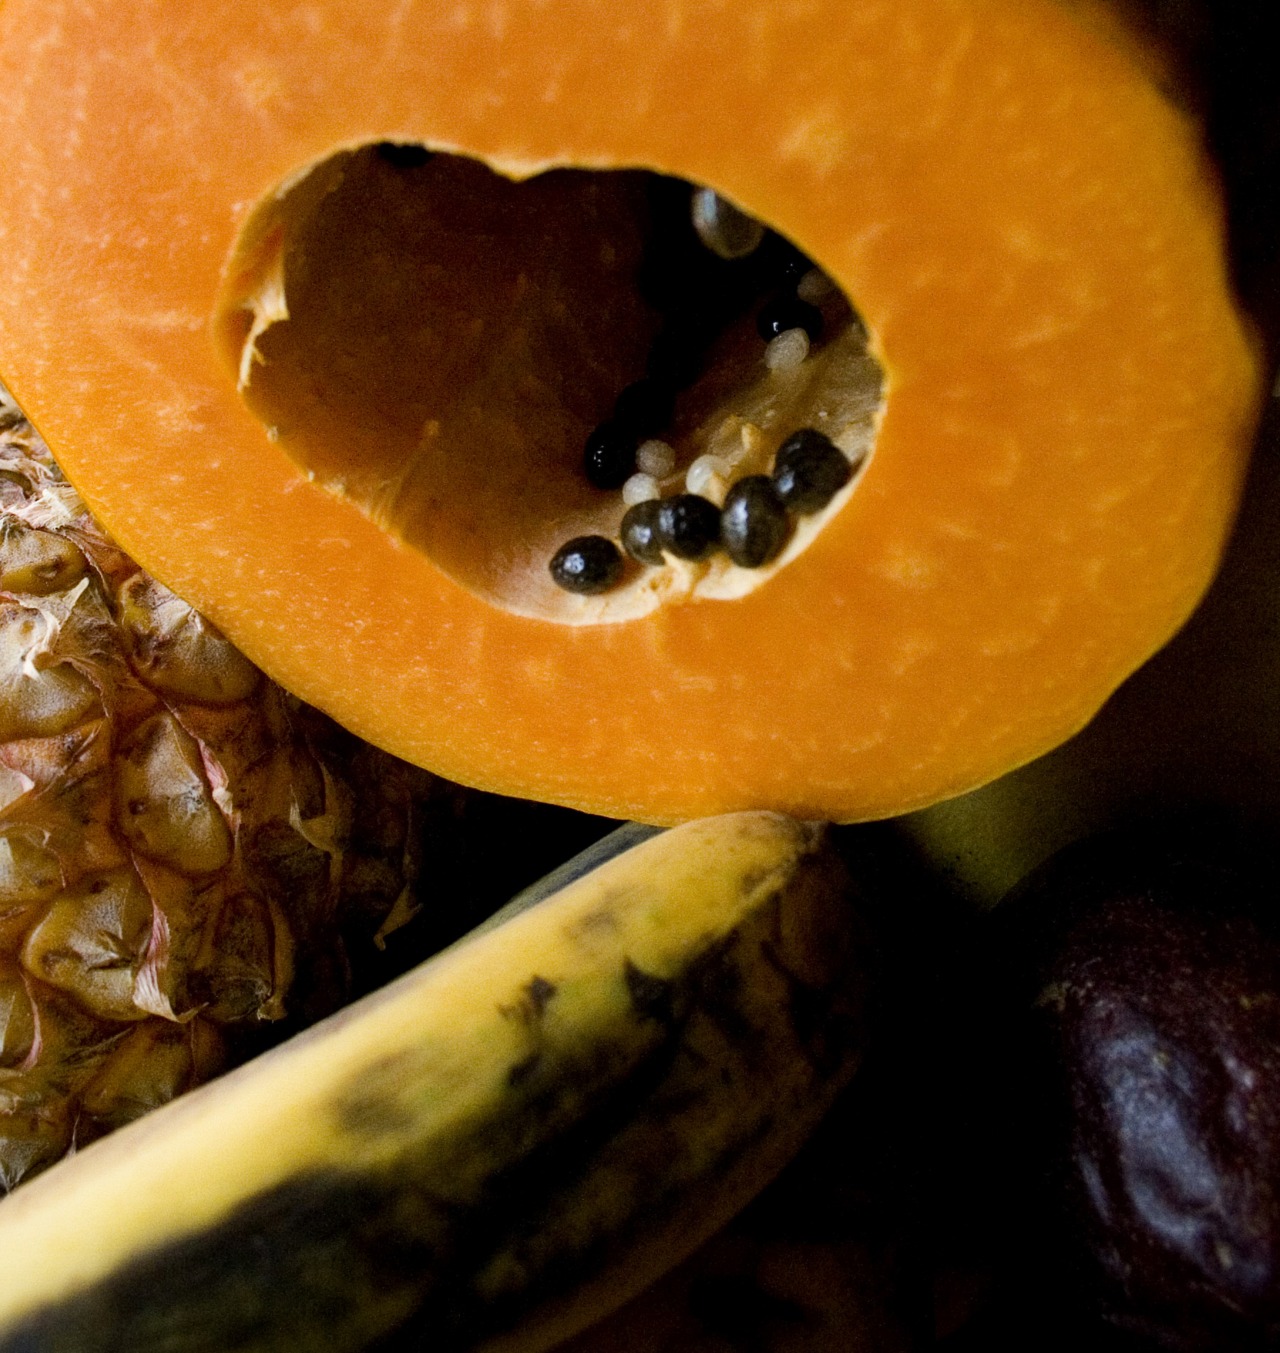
column 487, row 367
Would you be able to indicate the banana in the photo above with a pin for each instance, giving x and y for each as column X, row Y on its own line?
column 490, row 1153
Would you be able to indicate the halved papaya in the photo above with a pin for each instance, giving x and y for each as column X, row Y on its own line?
column 317, row 305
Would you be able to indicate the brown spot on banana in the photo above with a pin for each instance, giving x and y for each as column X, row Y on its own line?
column 387, row 1171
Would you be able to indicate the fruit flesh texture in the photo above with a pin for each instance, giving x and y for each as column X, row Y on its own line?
column 184, row 850
column 1028, row 227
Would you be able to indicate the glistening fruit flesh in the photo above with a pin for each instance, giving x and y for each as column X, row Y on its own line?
column 1029, row 226
column 184, row 849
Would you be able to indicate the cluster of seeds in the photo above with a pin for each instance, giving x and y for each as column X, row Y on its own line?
column 699, row 279
column 752, row 528
column 737, row 261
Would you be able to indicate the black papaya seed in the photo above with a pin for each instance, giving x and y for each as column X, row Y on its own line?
column 403, row 154
column 645, row 406
column 587, row 565
column 639, row 531
column 609, row 456
column 754, row 525
column 809, row 470
column 688, row 525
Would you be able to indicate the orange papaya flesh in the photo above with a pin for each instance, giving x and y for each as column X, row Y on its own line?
column 1030, row 229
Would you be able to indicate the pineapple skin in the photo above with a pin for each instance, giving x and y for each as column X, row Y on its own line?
column 187, row 853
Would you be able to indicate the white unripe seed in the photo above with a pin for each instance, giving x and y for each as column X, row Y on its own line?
column 639, row 489
column 722, row 227
column 656, row 458
column 787, row 351
column 704, row 471
column 815, row 286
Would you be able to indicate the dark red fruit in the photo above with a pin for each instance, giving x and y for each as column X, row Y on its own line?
column 1155, row 1040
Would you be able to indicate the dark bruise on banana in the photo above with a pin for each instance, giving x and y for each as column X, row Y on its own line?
column 503, row 1145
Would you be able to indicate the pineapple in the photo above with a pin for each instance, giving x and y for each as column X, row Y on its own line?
column 185, row 850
